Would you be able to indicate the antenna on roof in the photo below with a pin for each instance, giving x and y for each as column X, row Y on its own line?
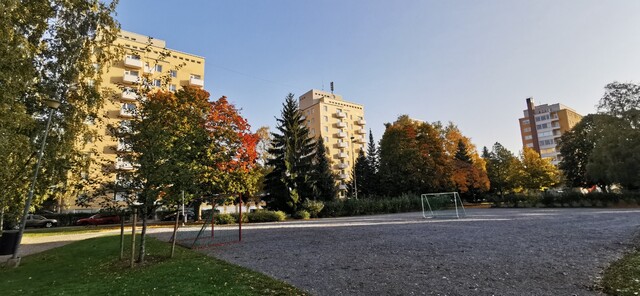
column 331, row 87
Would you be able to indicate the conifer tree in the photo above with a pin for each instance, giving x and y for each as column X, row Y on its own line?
column 291, row 154
column 325, row 183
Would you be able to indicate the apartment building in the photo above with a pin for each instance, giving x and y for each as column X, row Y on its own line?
column 542, row 126
column 341, row 125
column 140, row 63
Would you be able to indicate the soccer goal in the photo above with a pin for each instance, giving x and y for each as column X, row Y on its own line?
column 213, row 232
column 442, row 205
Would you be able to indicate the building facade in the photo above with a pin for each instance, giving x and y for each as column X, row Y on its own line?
column 341, row 125
column 141, row 61
column 542, row 126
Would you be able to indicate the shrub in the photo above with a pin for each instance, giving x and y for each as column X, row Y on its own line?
column 266, row 216
column 224, row 219
column 313, row 207
column 302, row 214
column 353, row 207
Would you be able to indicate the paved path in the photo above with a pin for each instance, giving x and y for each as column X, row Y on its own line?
column 491, row 252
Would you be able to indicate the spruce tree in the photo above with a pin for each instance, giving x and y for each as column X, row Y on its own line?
column 359, row 173
column 462, row 153
column 325, row 184
column 291, row 153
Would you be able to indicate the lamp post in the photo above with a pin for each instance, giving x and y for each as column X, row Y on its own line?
column 15, row 260
column 355, row 177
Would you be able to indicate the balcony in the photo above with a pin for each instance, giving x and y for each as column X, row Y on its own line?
column 342, row 155
column 361, row 131
column 341, row 124
column 555, row 126
column 128, row 110
column 342, row 166
column 359, row 140
column 341, row 134
column 123, row 146
column 132, row 62
column 302, row 117
column 128, row 78
column 340, row 114
column 342, row 187
column 196, row 82
column 123, row 165
column 343, row 176
column 128, row 95
column 361, row 122
column 343, row 145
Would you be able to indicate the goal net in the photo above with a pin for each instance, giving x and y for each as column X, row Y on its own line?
column 443, row 205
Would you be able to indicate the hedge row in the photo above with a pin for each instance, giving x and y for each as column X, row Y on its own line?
column 570, row 199
column 253, row 217
column 355, row 207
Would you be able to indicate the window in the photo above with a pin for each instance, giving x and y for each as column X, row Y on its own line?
column 526, row 121
column 172, row 87
column 131, row 72
column 326, row 129
column 147, row 68
column 325, row 108
column 158, row 68
column 195, row 76
column 133, row 56
column 545, row 134
column 326, row 139
column 530, row 145
column 326, row 119
column 542, row 126
column 527, row 137
column 527, row 129
column 156, row 83
column 173, row 73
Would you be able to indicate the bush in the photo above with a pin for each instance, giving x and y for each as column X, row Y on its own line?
column 266, row 216
column 313, row 207
column 568, row 199
column 302, row 214
column 224, row 219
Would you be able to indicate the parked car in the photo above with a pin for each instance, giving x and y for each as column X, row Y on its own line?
column 172, row 216
column 40, row 221
column 99, row 219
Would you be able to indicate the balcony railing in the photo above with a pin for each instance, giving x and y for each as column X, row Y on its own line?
column 342, row 187
column 128, row 78
column 342, row 155
column 342, row 166
column 128, row 95
column 196, row 82
column 359, row 140
column 341, row 124
column 124, row 165
column 343, row 176
column 128, row 110
column 343, row 145
column 340, row 114
column 361, row 122
column 361, row 131
column 133, row 63
column 341, row 134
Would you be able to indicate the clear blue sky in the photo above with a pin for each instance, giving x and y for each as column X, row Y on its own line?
column 470, row 62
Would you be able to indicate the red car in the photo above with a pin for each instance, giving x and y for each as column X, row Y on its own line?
column 99, row 219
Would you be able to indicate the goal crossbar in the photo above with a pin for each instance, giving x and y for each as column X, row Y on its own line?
column 456, row 201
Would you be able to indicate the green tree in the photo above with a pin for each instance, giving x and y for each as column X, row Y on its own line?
column 502, row 169
column 48, row 50
column 289, row 183
column 537, row 173
column 360, row 174
column 576, row 147
column 322, row 176
column 619, row 98
column 412, row 158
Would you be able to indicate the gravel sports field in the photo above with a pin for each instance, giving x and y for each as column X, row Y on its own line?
column 490, row 252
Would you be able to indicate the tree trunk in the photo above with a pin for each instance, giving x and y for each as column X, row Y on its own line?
column 143, row 236
column 174, row 238
column 121, row 236
column 133, row 237
column 1, row 220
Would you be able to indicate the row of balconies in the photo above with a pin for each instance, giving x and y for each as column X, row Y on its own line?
column 340, row 114
column 131, row 79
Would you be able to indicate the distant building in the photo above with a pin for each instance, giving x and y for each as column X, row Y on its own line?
column 340, row 124
column 542, row 126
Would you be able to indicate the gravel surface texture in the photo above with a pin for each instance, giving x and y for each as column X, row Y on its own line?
column 490, row 252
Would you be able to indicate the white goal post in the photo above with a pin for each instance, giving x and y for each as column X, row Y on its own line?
column 442, row 199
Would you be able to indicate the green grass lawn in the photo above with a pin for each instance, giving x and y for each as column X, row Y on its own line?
column 623, row 276
column 92, row 267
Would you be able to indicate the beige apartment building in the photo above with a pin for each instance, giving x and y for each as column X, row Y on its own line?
column 542, row 126
column 341, row 125
column 140, row 63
